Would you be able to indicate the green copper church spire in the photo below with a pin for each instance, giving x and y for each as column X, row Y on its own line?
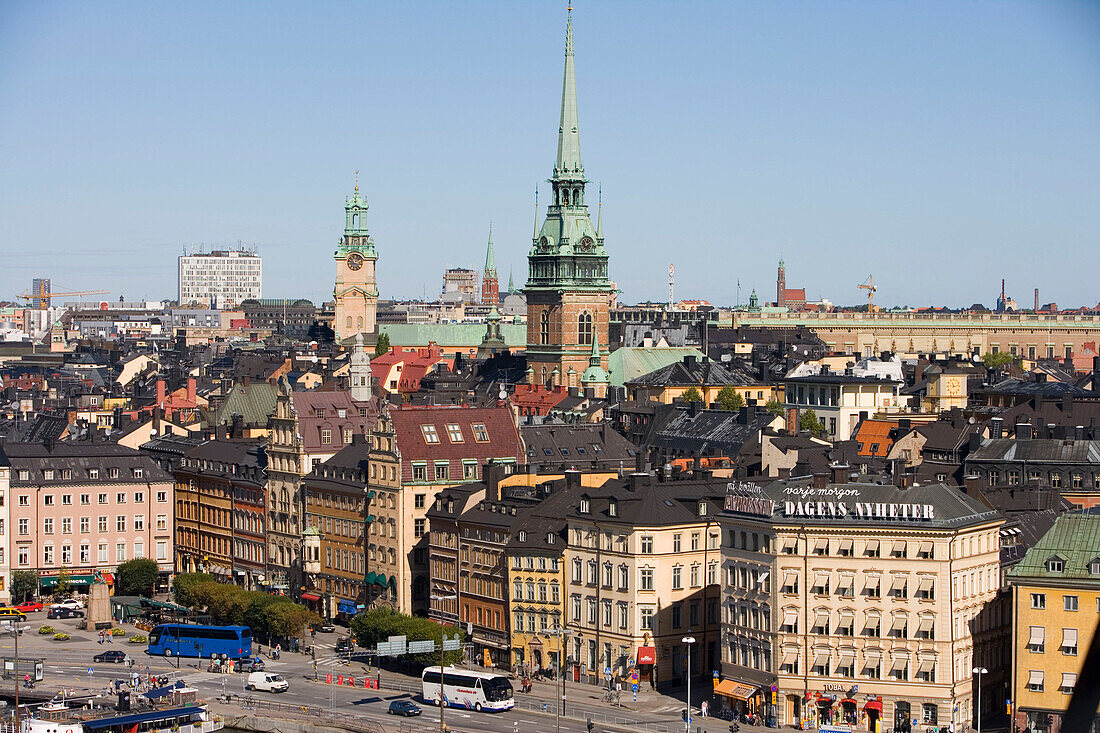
column 511, row 282
column 490, row 258
column 569, row 136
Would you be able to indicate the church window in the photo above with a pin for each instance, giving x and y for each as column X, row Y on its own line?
column 584, row 328
column 349, row 323
column 359, row 323
column 544, row 327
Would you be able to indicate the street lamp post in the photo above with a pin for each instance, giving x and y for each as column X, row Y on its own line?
column 688, row 640
column 980, row 671
column 442, row 639
column 559, row 706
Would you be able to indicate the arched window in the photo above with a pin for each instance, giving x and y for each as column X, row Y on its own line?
column 359, row 323
column 544, row 327
column 349, row 323
column 584, row 328
column 354, row 221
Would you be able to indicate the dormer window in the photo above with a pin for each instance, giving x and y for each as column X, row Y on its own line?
column 585, row 506
column 320, row 412
column 523, row 535
column 1055, row 565
column 613, row 508
column 1094, row 566
column 702, row 508
column 550, row 538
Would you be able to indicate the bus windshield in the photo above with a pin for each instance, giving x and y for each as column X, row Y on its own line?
column 498, row 690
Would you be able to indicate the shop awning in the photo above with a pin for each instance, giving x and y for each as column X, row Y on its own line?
column 371, row 576
column 647, row 655
column 310, row 597
column 1038, row 635
column 734, row 689
column 382, row 580
column 1036, row 677
column 346, row 606
column 50, row 581
column 108, row 578
column 370, row 518
column 873, row 705
column 848, row 701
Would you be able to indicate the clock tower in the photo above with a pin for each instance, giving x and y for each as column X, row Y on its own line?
column 568, row 291
column 356, row 292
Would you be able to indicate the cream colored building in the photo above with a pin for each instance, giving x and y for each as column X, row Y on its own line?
column 642, row 567
column 870, row 588
column 839, row 399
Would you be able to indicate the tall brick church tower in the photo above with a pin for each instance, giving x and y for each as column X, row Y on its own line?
column 568, row 291
column 355, row 292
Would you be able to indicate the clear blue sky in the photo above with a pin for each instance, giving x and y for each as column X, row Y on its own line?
column 938, row 145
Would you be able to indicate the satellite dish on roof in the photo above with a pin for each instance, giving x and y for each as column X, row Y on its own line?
column 503, row 394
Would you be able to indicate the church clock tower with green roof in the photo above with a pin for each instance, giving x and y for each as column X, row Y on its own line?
column 568, row 291
column 356, row 292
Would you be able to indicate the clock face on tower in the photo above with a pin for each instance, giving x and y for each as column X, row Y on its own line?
column 953, row 387
column 355, row 261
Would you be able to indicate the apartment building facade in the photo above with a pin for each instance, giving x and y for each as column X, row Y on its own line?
column 1055, row 608
column 871, row 588
column 85, row 507
column 220, row 279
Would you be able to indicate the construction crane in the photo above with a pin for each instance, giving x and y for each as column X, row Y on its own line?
column 869, row 286
column 43, row 299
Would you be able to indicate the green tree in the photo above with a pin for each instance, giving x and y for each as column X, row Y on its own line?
column 382, row 346
column 381, row 623
column 136, row 577
column 691, row 395
column 809, row 421
column 774, row 407
column 998, row 360
column 182, row 585
column 730, row 399
column 24, row 583
column 285, row 618
column 64, row 583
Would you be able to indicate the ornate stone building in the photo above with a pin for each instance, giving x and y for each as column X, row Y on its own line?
column 568, row 291
column 356, row 292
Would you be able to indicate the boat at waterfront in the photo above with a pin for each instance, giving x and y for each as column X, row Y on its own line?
column 179, row 716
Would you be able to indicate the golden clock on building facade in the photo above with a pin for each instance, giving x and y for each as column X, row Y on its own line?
column 355, row 261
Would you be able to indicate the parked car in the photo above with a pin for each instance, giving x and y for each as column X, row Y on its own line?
column 249, row 664
column 407, row 708
column 9, row 613
column 327, row 627
column 70, row 603
column 266, row 682
column 116, row 656
column 61, row 612
column 344, row 646
column 28, row 606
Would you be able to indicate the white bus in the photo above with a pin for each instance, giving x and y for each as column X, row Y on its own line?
column 467, row 689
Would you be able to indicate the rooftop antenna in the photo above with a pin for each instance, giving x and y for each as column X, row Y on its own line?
column 671, row 284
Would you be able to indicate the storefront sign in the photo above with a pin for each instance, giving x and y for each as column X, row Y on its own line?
column 647, row 655
column 841, row 502
column 835, row 687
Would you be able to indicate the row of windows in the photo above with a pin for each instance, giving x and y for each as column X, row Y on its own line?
column 85, row 524
column 1037, row 641
column 872, row 667
column 454, row 433
column 84, row 553
column 546, row 593
column 121, row 497
column 1069, row 602
column 898, row 627
column 67, row 474
column 441, row 471
column 1077, row 480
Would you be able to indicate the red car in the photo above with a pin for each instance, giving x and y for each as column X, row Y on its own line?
column 28, row 606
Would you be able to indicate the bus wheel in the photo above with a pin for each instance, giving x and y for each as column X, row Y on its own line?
column 167, row 652
column 477, row 706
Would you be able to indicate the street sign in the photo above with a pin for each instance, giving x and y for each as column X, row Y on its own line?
column 451, row 645
column 774, row 688
column 607, row 671
column 634, row 687
column 422, row 647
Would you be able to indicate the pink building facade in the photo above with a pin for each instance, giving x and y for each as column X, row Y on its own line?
column 86, row 507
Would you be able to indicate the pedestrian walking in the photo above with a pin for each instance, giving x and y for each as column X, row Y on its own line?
column 110, row 637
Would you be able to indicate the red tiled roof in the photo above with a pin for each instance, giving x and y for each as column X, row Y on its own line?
column 795, row 294
column 412, row 364
column 535, row 399
column 875, row 432
column 408, row 422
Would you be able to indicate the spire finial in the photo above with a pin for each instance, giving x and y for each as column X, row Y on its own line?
column 569, row 139
column 535, row 231
column 357, row 180
column 599, row 214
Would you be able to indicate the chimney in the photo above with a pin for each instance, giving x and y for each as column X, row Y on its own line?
column 1067, row 405
column 639, row 462
column 820, row 480
column 973, row 442
column 904, row 426
column 191, row 389
column 1036, row 299
column 972, row 484
column 160, row 391
column 1023, row 432
column 636, row 481
column 840, row 473
column 1096, row 374
column 156, row 420
column 743, row 414
column 689, row 361
column 996, row 427
column 693, row 408
column 492, row 473
column 792, row 420
column 572, row 479
column 1079, row 432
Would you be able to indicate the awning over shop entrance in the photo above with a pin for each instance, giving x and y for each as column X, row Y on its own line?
column 310, row 597
column 734, row 689
column 345, row 606
column 873, row 705
column 647, row 655
column 50, row 581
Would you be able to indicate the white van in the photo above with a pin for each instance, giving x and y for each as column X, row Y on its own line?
column 266, row 681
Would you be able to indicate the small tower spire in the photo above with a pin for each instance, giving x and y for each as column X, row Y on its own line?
column 356, row 181
column 535, row 229
column 511, row 282
column 569, row 136
column 490, row 258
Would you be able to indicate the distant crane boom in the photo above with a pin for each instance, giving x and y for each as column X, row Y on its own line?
column 869, row 286
column 45, row 297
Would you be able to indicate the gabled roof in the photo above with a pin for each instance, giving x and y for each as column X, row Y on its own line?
column 1075, row 538
column 409, row 425
column 1042, row 451
column 711, row 432
column 1031, row 387
column 255, row 403
column 629, row 363
column 691, row 372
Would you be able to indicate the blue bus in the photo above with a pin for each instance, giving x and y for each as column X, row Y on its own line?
column 192, row 640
